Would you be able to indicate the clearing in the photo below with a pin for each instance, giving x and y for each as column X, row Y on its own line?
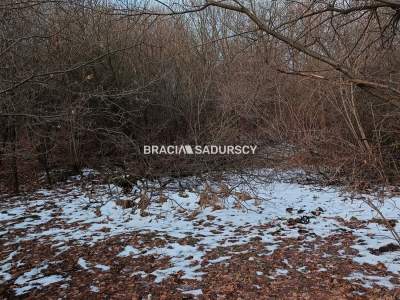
column 237, row 237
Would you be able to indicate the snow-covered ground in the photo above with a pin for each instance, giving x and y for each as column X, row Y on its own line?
column 75, row 215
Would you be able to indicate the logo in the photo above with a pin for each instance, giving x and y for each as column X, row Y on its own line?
column 199, row 150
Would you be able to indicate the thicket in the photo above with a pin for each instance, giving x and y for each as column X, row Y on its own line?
column 86, row 83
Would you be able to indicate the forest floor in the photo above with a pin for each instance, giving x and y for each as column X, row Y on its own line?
column 235, row 238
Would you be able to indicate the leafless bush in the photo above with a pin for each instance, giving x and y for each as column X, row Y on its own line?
column 91, row 83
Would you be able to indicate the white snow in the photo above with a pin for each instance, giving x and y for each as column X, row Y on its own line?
column 11, row 213
column 369, row 280
column 94, row 289
column 211, row 228
column 281, row 272
column 219, row 259
column 87, row 265
column 5, row 265
column 182, row 258
column 27, row 276
column 83, row 263
column 196, row 292
column 102, row 267
column 129, row 250
column 35, row 279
